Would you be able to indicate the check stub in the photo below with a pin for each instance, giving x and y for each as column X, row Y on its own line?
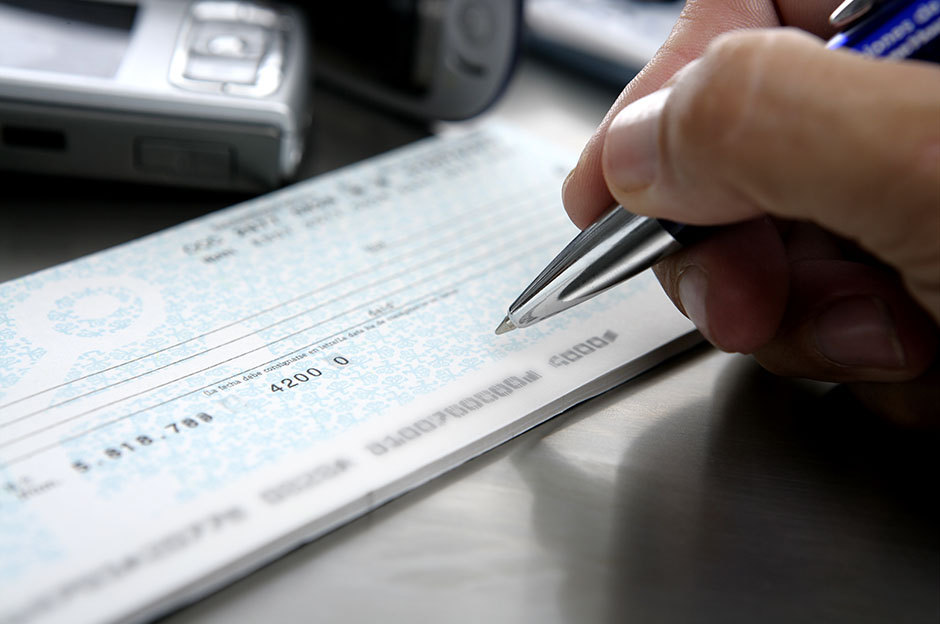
column 176, row 411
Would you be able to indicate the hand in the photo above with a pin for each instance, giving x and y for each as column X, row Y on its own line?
column 827, row 164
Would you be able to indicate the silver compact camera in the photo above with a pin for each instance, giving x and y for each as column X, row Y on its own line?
column 216, row 93
column 200, row 93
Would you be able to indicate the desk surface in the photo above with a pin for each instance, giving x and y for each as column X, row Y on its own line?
column 704, row 491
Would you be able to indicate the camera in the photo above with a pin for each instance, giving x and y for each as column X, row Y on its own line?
column 428, row 59
column 209, row 94
column 217, row 93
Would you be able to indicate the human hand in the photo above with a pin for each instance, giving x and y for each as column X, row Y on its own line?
column 828, row 164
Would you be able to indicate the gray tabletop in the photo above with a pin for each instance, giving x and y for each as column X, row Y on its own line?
column 704, row 491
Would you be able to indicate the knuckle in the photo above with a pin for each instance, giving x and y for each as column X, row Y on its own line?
column 735, row 87
column 707, row 109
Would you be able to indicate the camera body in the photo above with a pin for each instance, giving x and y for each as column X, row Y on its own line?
column 216, row 93
column 206, row 93
column 425, row 59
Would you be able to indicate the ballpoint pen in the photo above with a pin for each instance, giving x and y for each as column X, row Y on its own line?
column 620, row 245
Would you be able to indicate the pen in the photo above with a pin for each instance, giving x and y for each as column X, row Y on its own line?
column 620, row 245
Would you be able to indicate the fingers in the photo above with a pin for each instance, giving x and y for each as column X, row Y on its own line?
column 771, row 122
column 733, row 286
column 809, row 15
column 847, row 321
column 585, row 194
column 799, row 307
column 913, row 403
column 786, row 293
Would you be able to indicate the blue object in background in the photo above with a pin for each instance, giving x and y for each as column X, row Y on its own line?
column 900, row 29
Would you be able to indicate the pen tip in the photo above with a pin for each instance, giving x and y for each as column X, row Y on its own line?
column 506, row 326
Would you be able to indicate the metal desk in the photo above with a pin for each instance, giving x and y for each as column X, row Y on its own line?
column 704, row 491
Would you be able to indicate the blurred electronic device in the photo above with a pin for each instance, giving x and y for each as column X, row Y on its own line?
column 205, row 93
column 215, row 93
column 430, row 59
column 611, row 39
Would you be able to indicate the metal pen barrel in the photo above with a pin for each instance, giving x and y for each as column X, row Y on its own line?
column 613, row 249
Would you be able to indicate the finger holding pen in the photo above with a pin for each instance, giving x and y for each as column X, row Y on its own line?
column 585, row 193
column 754, row 286
column 771, row 123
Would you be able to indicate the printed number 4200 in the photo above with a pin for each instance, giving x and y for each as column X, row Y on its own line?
column 307, row 375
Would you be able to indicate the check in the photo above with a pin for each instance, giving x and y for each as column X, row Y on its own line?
column 176, row 411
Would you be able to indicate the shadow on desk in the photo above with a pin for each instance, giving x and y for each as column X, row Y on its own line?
column 703, row 491
column 791, row 508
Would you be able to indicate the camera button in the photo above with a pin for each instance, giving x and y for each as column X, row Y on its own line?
column 229, row 40
column 218, row 69
column 227, row 45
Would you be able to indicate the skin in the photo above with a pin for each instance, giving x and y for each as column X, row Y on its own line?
column 823, row 169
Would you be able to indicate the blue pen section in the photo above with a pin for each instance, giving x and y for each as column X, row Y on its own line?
column 898, row 29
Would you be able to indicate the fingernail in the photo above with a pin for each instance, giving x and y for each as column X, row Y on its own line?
column 631, row 148
column 693, row 287
column 858, row 332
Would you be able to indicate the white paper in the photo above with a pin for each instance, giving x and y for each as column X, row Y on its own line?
column 178, row 410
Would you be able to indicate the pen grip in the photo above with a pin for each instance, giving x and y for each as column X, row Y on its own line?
column 686, row 234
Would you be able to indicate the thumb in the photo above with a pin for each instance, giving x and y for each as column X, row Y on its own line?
column 770, row 122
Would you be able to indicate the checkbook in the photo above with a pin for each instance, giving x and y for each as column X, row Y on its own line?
column 182, row 409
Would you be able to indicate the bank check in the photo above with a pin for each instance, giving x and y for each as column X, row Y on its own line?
column 179, row 410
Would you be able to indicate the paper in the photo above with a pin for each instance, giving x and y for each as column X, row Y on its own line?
column 178, row 410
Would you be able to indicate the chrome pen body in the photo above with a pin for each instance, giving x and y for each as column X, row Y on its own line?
column 611, row 250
